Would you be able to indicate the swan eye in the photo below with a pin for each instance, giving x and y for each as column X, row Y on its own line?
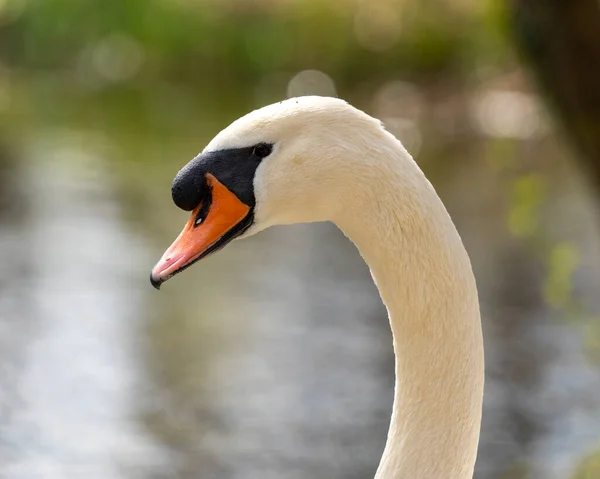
column 262, row 150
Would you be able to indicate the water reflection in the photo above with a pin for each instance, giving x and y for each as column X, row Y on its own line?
column 220, row 374
column 281, row 361
column 69, row 309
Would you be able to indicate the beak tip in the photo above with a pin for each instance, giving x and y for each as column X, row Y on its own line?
column 156, row 282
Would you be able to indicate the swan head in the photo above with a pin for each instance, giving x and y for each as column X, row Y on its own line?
column 289, row 162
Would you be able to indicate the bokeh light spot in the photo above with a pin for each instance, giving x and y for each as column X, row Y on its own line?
column 508, row 114
column 311, row 82
column 117, row 57
column 398, row 98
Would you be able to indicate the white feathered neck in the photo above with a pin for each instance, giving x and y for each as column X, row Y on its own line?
column 424, row 276
column 334, row 162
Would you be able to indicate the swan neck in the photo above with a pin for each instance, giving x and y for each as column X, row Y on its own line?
column 424, row 277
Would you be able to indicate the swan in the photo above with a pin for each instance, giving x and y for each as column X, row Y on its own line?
column 312, row 159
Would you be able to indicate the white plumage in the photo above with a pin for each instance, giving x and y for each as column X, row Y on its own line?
column 332, row 162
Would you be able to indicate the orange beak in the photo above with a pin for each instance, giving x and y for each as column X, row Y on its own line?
column 204, row 233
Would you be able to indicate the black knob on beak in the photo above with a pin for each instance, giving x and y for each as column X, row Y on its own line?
column 189, row 187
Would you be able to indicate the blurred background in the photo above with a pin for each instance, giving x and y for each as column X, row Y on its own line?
column 273, row 359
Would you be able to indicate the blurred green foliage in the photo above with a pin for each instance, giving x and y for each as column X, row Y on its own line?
column 211, row 40
column 528, row 195
column 188, row 51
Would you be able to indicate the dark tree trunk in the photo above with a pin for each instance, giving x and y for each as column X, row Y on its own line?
column 560, row 39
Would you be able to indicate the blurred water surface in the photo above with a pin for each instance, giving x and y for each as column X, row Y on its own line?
column 70, row 311
column 105, row 377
